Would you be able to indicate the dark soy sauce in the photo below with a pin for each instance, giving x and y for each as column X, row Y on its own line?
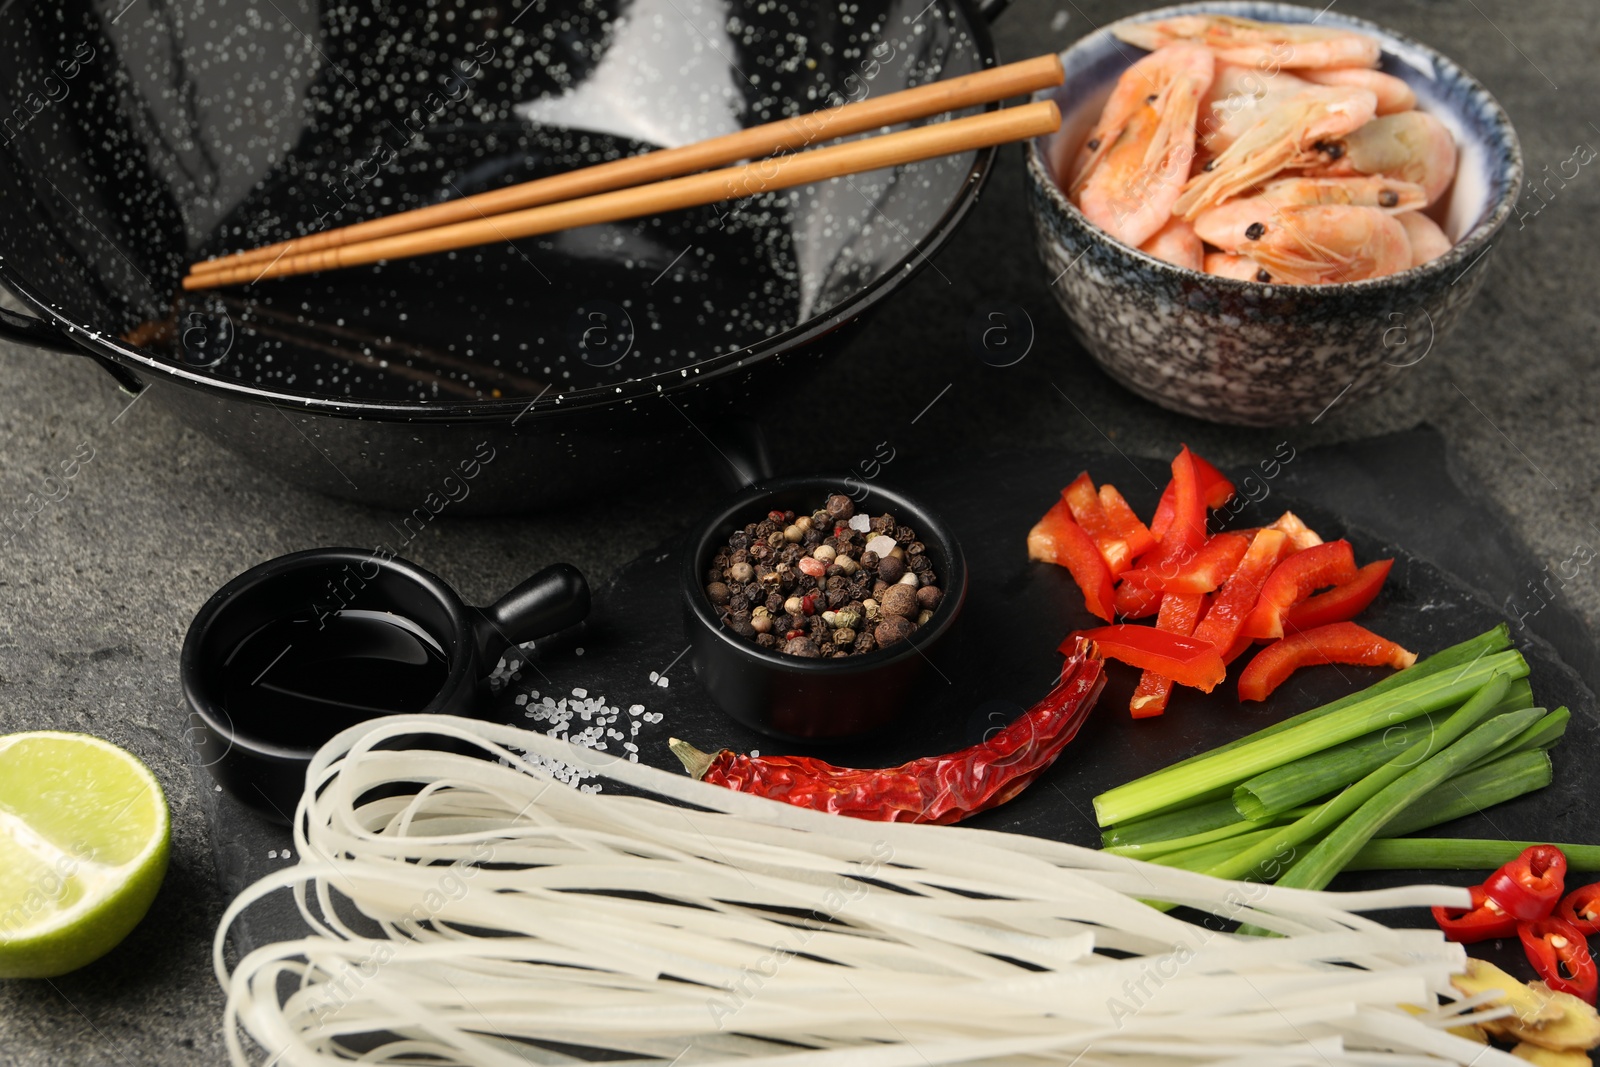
column 297, row 681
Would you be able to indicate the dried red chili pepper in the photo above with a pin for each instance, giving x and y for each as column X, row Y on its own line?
column 935, row 789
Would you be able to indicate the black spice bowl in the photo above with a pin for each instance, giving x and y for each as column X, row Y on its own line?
column 814, row 700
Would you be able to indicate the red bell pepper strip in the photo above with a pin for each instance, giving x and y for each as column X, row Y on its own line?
column 1581, row 908
column 1530, row 886
column 1087, row 512
column 1239, row 593
column 1214, row 488
column 1127, row 524
column 1137, row 601
column 1295, row 579
column 1337, row 642
column 1187, row 530
column 1178, row 615
column 1484, row 921
column 1210, row 566
column 1561, row 956
column 1342, row 602
column 1183, row 659
column 1055, row 538
column 1301, row 536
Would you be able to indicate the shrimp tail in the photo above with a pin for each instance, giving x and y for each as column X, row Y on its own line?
column 1248, row 162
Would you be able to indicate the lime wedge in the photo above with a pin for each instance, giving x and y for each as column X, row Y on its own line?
column 83, row 849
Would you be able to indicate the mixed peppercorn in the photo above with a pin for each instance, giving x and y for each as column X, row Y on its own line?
column 827, row 584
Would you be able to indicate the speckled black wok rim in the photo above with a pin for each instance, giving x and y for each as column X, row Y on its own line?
column 96, row 342
column 1464, row 250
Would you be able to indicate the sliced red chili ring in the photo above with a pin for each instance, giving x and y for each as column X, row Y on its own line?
column 1581, row 908
column 1560, row 954
column 1484, row 921
column 1530, row 886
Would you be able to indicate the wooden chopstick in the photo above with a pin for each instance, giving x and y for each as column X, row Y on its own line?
column 968, row 90
column 732, row 183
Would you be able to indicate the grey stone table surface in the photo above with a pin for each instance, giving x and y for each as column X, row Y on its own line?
column 96, row 593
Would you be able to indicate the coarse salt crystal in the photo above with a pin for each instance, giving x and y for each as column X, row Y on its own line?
column 882, row 545
column 860, row 523
column 635, row 709
column 580, row 693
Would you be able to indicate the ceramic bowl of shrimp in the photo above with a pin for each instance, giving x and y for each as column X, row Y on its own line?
column 1253, row 211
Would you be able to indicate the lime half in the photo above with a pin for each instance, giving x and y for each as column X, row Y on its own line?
column 83, row 848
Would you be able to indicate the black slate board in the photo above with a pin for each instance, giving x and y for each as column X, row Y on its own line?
column 1394, row 496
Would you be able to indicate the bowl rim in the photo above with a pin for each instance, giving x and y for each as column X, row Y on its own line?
column 195, row 673
column 99, row 344
column 700, row 543
column 1489, row 223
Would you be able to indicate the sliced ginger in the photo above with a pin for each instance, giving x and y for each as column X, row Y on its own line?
column 1556, row 1023
column 1577, row 1028
column 1545, row 1057
column 1530, row 1008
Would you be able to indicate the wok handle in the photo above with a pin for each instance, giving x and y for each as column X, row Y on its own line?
column 37, row 333
column 554, row 599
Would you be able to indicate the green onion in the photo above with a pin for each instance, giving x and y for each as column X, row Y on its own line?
column 1542, row 734
column 1196, row 819
column 1323, row 773
column 1148, row 850
column 1458, row 854
column 1328, row 771
column 1204, row 857
column 1470, row 792
column 1175, row 786
column 1269, row 858
column 1328, row 856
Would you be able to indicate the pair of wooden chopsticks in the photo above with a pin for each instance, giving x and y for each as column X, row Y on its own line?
column 667, row 179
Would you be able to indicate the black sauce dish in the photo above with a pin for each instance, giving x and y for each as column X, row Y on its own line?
column 298, row 648
column 815, row 701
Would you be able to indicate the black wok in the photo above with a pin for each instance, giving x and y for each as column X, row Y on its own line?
column 138, row 138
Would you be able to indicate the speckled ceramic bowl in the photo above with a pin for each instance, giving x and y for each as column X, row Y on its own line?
column 1257, row 354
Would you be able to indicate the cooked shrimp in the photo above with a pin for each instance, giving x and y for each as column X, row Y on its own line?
column 1176, row 242
column 1233, row 226
column 1239, row 268
column 1427, row 240
column 1133, row 90
column 1376, row 191
column 1284, row 137
column 1394, row 95
column 1137, row 164
column 1239, row 97
column 1292, row 46
column 1412, row 146
column 1320, row 245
